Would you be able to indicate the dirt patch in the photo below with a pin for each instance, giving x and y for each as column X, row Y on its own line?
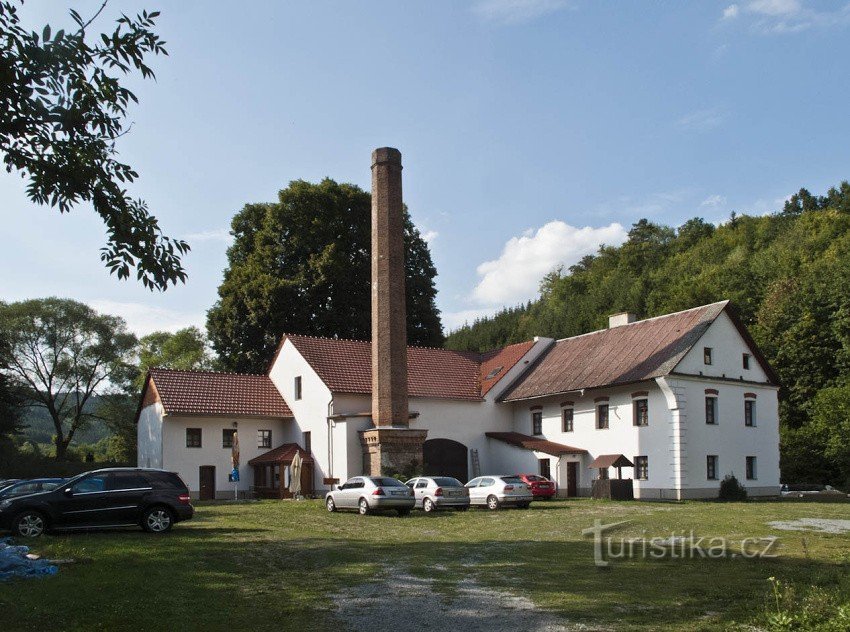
column 821, row 525
column 398, row 600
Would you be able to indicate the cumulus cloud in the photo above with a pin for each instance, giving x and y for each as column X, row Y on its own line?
column 430, row 235
column 524, row 260
column 516, row 11
column 713, row 201
column 731, row 12
column 143, row 319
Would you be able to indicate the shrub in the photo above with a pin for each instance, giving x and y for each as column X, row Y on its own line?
column 731, row 489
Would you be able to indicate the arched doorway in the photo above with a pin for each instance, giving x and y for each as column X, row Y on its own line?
column 444, row 457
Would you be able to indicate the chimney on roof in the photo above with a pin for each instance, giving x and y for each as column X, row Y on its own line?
column 391, row 446
column 618, row 320
column 389, row 314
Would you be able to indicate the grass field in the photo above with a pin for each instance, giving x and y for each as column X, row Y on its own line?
column 291, row 565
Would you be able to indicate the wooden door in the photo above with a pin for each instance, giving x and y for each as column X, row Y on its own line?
column 306, row 479
column 206, row 475
column 572, row 479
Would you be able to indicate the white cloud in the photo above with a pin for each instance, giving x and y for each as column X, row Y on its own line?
column 143, row 319
column 516, row 11
column 455, row 320
column 430, row 235
column 787, row 16
column 713, row 201
column 702, row 120
column 525, row 260
column 215, row 234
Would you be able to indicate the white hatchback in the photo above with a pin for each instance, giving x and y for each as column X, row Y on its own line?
column 496, row 491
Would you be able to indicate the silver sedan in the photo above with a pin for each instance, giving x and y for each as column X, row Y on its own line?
column 497, row 491
column 439, row 492
column 371, row 493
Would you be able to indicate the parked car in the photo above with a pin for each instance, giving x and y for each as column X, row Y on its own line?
column 803, row 490
column 32, row 486
column 119, row 497
column 496, row 491
column 541, row 487
column 439, row 492
column 370, row 493
column 8, row 481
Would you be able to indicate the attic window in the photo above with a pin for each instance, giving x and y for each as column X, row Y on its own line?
column 494, row 373
column 746, row 359
column 706, row 355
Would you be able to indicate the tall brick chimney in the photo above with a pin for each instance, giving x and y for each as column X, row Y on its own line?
column 389, row 316
column 390, row 447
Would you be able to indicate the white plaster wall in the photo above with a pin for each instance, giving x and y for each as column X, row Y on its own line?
column 621, row 437
column 730, row 439
column 149, row 436
column 311, row 411
column 176, row 457
column 726, row 357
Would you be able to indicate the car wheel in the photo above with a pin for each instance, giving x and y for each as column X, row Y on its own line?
column 157, row 519
column 363, row 506
column 29, row 524
column 331, row 505
column 428, row 505
column 403, row 512
column 492, row 503
column 524, row 505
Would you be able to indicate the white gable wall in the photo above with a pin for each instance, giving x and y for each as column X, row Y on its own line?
column 149, row 436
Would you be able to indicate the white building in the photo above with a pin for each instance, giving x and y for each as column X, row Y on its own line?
column 686, row 397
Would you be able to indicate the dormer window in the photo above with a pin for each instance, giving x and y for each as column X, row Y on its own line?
column 494, row 373
column 706, row 355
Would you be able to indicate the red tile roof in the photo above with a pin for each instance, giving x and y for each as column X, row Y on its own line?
column 494, row 364
column 345, row 366
column 519, row 440
column 211, row 393
column 639, row 351
column 281, row 454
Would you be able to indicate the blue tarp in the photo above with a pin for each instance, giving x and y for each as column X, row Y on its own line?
column 15, row 563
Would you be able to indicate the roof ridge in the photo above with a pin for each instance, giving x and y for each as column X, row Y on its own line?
column 369, row 342
column 643, row 320
column 206, row 372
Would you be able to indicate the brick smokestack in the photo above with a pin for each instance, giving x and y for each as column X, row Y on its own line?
column 389, row 313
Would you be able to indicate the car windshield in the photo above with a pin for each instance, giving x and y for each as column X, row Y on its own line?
column 511, row 480
column 446, row 481
column 534, row 478
column 385, row 481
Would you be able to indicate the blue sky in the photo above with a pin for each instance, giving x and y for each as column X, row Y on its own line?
column 531, row 130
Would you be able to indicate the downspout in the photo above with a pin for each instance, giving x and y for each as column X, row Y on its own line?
column 331, row 426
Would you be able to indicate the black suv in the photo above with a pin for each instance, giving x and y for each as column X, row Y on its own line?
column 152, row 499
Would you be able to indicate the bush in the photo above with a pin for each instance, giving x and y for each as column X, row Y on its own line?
column 731, row 489
column 19, row 464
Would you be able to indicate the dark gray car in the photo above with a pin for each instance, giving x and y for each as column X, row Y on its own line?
column 370, row 493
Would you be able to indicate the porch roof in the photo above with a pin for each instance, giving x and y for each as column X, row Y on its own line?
column 526, row 442
column 610, row 460
column 281, row 454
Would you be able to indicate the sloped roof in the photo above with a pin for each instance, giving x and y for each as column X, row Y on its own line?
column 281, row 454
column 345, row 366
column 212, row 393
column 610, row 460
column 642, row 350
column 519, row 440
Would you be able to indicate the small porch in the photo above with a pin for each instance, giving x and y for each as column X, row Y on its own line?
column 272, row 472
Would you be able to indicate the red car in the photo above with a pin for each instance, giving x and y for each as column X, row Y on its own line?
column 541, row 487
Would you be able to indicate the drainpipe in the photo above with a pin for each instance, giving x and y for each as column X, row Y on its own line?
column 331, row 426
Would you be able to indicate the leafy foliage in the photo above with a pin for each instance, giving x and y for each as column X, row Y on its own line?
column 788, row 275
column 62, row 109
column 302, row 265
column 61, row 353
column 186, row 349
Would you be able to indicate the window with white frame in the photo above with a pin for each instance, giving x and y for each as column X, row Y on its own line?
column 264, row 438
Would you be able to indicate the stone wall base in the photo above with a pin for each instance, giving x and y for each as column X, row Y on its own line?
column 390, row 450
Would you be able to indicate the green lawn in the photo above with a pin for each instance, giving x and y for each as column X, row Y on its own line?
column 286, row 565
